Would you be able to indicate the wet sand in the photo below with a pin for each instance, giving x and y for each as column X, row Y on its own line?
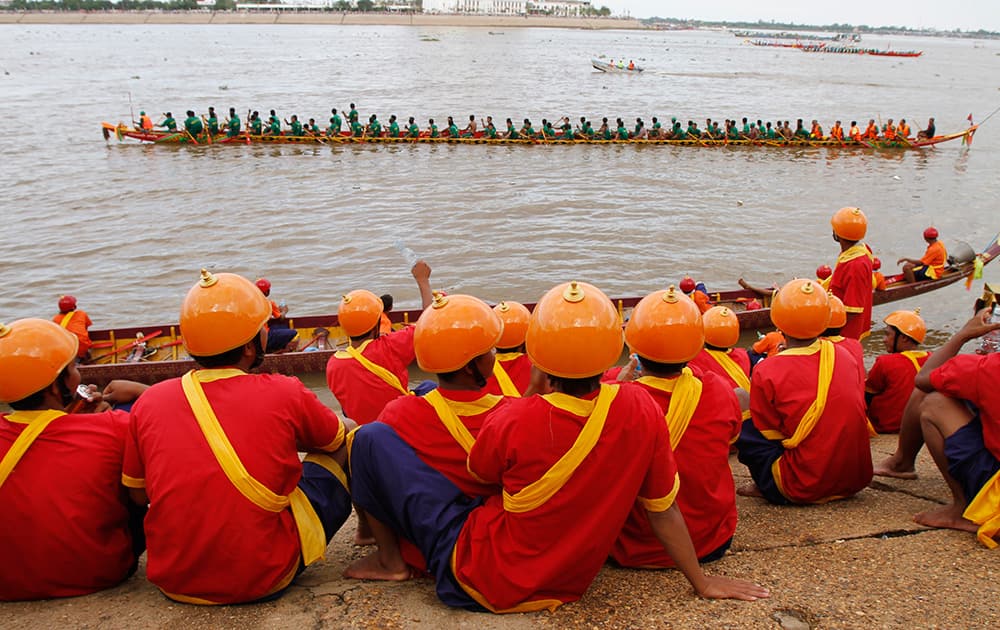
column 856, row 563
column 312, row 17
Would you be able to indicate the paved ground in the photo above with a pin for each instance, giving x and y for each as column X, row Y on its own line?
column 849, row 564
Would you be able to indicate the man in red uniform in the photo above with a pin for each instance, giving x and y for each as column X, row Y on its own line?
column 76, row 321
column 66, row 527
column 720, row 354
column 234, row 515
column 455, row 339
column 703, row 419
column 540, row 542
column 807, row 439
column 931, row 265
column 890, row 382
column 852, row 277
column 838, row 317
column 374, row 369
column 279, row 335
column 512, row 370
column 960, row 418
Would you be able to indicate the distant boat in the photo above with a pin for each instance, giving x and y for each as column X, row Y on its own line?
column 604, row 66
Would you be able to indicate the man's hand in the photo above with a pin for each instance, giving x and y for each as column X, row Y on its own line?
column 978, row 326
column 630, row 371
column 121, row 391
column 421, row 271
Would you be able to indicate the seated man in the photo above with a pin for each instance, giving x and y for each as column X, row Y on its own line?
column 374, row 369
column 961, row 426
column 720, row 354
column 890, row 382
column 540, row 543
column 77, row 322
column 703, row 417
column 838, row 317
column 455, row 339
column 216, row 532
column 929, row 132
column 279, row 335
column 807, row 439
column 931, row 265
column 512, row 370
column 697, row 292
column 67, row 525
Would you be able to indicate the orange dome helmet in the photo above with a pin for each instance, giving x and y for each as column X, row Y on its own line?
column 222, row 312
column 33, row 353
column 849, row 223
column 666, row 327
column 910, row 323
column 360, row 311
column 574, row 332
column 454, row 330
column 515, row 317
column 838, row 313
column 722, row 327
column 801, row 309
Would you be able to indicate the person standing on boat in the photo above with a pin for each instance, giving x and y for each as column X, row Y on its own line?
column 889, row 384
column 168, row 122
column 373, row 370
column 352, row 115
column 807, row 439
column 703, row 417
column 335, row 124
column 75, row 321
column 929, row 132
column 540, row 543
column 68, row 527
column 233, row 124
column 931, row 265
column 852, row 276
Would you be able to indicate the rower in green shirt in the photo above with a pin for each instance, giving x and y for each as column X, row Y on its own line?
column 679, row 132
column 233, row 124
column 296, row 126
column 452, row 128
column 352, row 116
column 312, row 128
column 393, row 127
column 693, row 130
column 587, row 130
column 374, row 127
column 433, row 129
column 335, row 123
column 357, row 129
column 490, row 130
column 621, row 133
column 212, row 122
column 413, row 130
column 192, row 124
column 654, row 131
column 255, row 124
column 168, row 122
column 511, row 132
column 548, row 132
column 527, row 130
column 274, row 124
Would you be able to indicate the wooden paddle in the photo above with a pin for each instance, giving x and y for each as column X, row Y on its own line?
column 128, row 346
column 208, row 132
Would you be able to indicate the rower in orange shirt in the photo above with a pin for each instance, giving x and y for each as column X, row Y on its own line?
column 816, row 133
column 890, row 383
column 77, row 322
column 837, row 132
column 512, row 370
column 697, row 292
column 807, row 439
column 889, row 131
column 855, row 132
column 279, row 335
column 878, row 278
column 931, row 265
column 384, row 323
column 871, row 131
column 702, row 415
column 903, row 130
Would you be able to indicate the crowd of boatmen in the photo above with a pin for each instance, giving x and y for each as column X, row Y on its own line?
column 349, row 123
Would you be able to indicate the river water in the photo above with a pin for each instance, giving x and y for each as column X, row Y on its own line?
column 125, row 227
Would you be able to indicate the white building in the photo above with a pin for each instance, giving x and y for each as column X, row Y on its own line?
column 508, row 7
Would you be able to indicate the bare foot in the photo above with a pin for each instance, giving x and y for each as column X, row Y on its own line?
column 361, row 541
column 749, row 490
column 892, row 467
column 946, row 517
column 371, row 568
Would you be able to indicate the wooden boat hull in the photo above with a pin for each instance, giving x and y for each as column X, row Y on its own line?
column 113, row 347
column 607, row 67
column 174, row 138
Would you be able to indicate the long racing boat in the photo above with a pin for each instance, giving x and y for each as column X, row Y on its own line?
column 122, row 132
column 150, row 354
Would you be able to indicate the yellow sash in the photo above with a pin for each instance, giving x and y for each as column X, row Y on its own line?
column 66, row 319
column 537, row 493
column 449, row 410
column 26, row 439
column 311, row 536
column 508, row 356
column 503, row 379
column 391, row 379
column 913, row 356
column 732, row 368
column 685, row 393
column 855, row 251
column 984, row 510
column 815, row 411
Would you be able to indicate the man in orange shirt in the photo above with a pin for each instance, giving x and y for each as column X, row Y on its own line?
column 871, row 131
column 279, row 335
column 67, row 526
column 697, row 292
column 234, row 514
column 540, row 543
column 76, row 321
column 931, row 265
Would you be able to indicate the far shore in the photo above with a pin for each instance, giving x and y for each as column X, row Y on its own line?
column 311, row 17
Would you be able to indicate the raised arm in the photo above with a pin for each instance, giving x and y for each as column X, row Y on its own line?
column 422, row 274
column 978, row 326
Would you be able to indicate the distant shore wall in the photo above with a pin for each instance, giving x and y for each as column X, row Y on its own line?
column 310, row 17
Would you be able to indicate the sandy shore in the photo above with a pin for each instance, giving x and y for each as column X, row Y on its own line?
column 848, row 564
column 353, row 19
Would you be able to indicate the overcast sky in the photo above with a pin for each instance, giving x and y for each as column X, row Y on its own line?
column 940, row 14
